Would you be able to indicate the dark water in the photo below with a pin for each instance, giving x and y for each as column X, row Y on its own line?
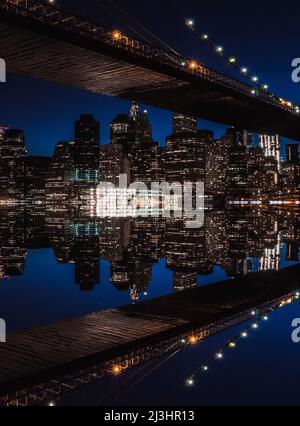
column 55, row 268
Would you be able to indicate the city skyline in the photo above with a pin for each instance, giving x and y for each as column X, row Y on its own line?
column 234, row 165
column 149, row 205
column 45, row 110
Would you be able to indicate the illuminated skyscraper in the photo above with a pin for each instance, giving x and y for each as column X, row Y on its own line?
column 185, row 153
column 271, row 146
column 12, row 154
column 184, row 124
column 140, row 126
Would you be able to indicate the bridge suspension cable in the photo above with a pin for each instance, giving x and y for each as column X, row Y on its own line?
column 231, row 60
column 230, row 344
column 137, row 27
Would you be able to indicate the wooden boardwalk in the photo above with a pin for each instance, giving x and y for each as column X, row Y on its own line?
column 41, row 353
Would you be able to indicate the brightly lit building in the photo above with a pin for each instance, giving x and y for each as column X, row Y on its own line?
column 271, row 146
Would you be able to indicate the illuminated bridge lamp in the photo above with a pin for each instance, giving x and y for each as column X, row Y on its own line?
column 254, row 78
column 116, row 35
column 232, row 345
column 193, row 65
column 205, row 36
column 116, row 370
column 244, row 70
column 190, row 22
column 193, row 340
column 232, row 60
column 219, row 49
column 190, row 382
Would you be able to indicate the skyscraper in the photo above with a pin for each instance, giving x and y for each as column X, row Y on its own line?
column 140, row 125
column 184, row 124
column 131, row 136
column 12, row 153
column 87, row 140
column 292, row 153
column 271, row 146
column 185, row 153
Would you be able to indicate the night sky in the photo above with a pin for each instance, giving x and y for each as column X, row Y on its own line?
column 262, row 35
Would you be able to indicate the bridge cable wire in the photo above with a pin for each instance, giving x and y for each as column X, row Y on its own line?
column 231, row 61
column 243, row 333
column 145, row 376
column 118, row 18
column 120, row 14
column 146, row 30
column 134, row 374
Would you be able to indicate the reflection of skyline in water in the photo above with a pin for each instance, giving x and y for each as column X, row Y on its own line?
column 240, row 242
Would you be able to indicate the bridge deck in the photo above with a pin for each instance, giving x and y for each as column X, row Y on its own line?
column 37, row 49
column 37, row 354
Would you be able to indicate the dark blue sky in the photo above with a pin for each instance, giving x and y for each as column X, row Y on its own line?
column 264, row 36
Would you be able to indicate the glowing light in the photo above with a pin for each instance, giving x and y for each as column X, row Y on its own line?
column 190, row 382
column 219, row 355
column 193, row 340
column 51, row 404
column 244, row 334
column 244, row 70
column 266, row 318
column 183, row 64
column 232, row 345
column 205, row 368
column 265, row 86
column 190, row 22
column 183, row 341
column 193, row 65
column 116, row 370
column 253, row 313
column 219, row 49
column 116, row 35
column 253, row 92
column 232, row 60
column 205, row 36
column 254, row 78
column 255, row 326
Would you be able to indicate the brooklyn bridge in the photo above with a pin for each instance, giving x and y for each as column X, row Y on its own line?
column 40, row 40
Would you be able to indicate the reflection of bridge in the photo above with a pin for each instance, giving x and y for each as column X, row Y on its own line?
column 71, row 353
column 41, row 41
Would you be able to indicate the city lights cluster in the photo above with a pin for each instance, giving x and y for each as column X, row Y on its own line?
column 231, row 344
column 233, row 62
